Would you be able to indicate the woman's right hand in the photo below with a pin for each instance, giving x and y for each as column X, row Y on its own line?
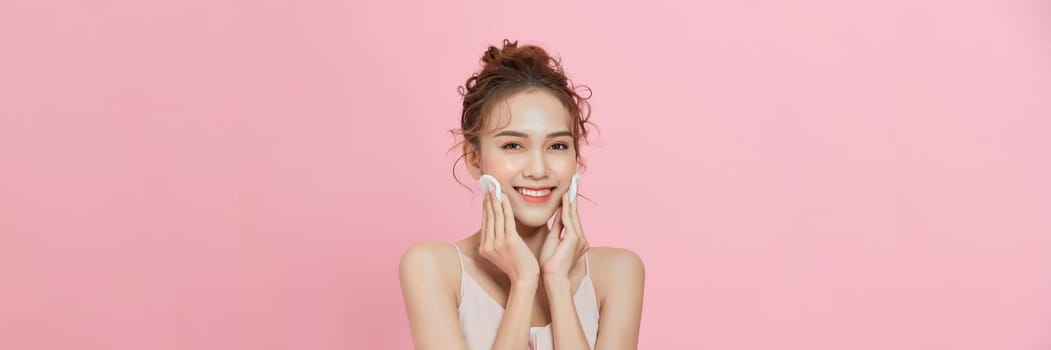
column 501, row 244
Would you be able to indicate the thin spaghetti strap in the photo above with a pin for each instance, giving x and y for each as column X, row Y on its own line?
column 459, row 254
column 459, row 298
column 587, row 265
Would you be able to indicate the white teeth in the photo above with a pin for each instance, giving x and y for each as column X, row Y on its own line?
column 533, row 193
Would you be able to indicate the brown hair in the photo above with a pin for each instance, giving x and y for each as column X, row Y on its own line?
column 512, row 69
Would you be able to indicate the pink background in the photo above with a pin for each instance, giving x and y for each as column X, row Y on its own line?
column 795, row 175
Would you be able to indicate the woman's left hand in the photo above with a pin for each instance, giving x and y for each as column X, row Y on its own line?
column 560, row 252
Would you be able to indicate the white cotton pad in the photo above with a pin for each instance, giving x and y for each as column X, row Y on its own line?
column 483, row 183
column 573, row 184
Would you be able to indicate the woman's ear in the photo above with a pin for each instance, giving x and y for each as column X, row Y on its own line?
column 470, row 155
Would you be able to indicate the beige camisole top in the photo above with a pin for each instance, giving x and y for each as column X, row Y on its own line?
column 480, row 314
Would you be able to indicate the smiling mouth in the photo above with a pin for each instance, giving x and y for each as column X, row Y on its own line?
column 535, row 193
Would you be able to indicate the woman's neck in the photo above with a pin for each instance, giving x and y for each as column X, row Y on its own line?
column 533, row 236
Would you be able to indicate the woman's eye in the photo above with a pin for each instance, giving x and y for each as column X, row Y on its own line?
column 511, row 145
column 560, row 146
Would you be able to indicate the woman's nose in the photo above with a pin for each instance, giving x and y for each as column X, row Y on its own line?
column 537, row 167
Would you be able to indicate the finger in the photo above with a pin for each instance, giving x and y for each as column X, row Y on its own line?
column 582, row 242
column 576, row 221
column 485, row 218
column 487, row 231
column 556, row 227
column 498, row 225
column 567, row 221
column 563, row 218
column 509, row 218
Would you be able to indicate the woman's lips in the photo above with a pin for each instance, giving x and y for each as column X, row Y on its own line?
column 531, row 196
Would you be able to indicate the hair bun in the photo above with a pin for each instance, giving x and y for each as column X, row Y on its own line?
column 493, row 53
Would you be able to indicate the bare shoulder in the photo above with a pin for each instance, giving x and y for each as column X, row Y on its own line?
column 618, row 274
column 615, row 261
column 431, row 262
column 428, row 274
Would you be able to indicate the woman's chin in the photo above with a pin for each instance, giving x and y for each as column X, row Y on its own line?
column 533, row 222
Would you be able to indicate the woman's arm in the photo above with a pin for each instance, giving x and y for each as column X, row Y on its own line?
column 565, row 323
column 559, row 254
column 429, row 300
column 622, row 276
column 518, row 313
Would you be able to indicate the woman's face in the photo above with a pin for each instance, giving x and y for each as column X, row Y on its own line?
column 527, row 145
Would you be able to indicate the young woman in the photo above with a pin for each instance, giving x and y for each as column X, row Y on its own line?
column 517, row 282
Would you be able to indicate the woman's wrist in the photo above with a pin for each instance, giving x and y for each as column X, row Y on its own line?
column 555, row 281
column 550, row 272
column 554, row 275
column 526, row 281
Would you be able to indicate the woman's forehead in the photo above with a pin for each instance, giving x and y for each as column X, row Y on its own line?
column 535, row 111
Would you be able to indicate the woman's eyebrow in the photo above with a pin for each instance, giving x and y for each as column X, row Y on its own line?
column 522, row 134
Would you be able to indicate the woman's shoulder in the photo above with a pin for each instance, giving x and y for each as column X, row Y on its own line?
column 430, row 261
column 614, row 259
column 614, row 268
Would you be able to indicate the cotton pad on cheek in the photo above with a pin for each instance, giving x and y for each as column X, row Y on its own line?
column 484, row 182
column 573, row 184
